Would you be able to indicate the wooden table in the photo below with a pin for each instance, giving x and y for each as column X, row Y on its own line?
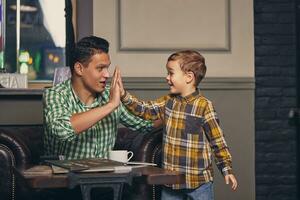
column 146, row 174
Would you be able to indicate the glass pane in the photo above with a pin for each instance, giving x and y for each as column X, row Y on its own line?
column 2, row 34
column 42, row 38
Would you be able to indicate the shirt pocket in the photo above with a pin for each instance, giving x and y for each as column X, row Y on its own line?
column 193, row 124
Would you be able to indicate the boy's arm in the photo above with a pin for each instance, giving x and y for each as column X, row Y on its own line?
column 216, row 140
column 134, row 122
column 150, row 110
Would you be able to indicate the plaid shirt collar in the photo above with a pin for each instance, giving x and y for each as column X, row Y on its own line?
column 188, row 98
column 78, row 101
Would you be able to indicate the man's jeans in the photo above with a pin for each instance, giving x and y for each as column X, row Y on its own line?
column 204, row 192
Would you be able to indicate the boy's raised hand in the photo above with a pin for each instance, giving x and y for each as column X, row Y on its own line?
column 231, row 178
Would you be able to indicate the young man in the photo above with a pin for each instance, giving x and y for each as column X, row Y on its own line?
column 192, row 132
column 81, row 115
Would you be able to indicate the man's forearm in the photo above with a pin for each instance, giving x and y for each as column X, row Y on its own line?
column 83, row 121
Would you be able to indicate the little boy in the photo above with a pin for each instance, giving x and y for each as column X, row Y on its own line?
column 192, row 132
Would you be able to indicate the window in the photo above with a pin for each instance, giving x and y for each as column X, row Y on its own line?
column 35, row 41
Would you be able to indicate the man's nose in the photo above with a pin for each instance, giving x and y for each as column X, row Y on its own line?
column 106, row 73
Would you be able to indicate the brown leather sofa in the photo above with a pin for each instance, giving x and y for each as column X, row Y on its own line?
column 21, row 146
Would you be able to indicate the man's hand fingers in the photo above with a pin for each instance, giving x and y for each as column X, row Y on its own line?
column 113, row 80
column 118, row 74
column 120, row 82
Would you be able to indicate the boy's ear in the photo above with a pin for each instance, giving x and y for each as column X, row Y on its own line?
column 78, row 68
column 190, row 77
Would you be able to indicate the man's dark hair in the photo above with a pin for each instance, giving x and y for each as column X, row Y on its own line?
column 86, row 47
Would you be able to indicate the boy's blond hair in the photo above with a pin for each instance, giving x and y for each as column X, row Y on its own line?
column 190, row 61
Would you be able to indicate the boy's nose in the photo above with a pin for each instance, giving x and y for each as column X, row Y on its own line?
column 167, row 77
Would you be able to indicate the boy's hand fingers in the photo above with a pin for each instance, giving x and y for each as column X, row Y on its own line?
column 236, row 184
column 231, row 178
column 227, row 180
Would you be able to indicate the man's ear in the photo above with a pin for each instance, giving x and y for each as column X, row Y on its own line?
column 78, row 68
column 190, row 77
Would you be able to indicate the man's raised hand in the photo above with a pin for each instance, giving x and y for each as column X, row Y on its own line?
column 115, row 89
column 120, row 83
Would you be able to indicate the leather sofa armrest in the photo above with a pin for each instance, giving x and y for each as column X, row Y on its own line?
column 20, row 153
column 14, row 152
column 25, row 141
column 7, row 181
column 144, row 146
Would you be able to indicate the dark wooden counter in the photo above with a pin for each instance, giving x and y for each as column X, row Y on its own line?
column 20, row 92
column 21, row 106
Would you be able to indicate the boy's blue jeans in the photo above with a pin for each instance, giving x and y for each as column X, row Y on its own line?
column 204, row 192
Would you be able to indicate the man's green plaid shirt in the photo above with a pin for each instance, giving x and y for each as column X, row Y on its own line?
column 192, row 134
column 60, row 103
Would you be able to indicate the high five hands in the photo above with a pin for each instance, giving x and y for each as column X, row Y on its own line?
column 116, row 87
column 117, row 91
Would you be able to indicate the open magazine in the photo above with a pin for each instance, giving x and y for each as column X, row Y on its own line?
column 87, row 165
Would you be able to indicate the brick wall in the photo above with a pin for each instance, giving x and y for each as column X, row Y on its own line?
column 275, row 72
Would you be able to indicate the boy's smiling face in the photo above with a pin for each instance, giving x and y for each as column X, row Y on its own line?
column 176, row 78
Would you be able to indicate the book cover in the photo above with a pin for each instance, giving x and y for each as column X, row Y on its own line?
column 87, row 165
column 38, row 170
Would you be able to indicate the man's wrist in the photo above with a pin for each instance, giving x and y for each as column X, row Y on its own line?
column 111, row 106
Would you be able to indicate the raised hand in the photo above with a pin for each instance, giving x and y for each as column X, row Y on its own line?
column 120, row 83
column 115, row 89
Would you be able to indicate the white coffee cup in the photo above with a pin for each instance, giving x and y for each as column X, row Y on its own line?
column 120, row 155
